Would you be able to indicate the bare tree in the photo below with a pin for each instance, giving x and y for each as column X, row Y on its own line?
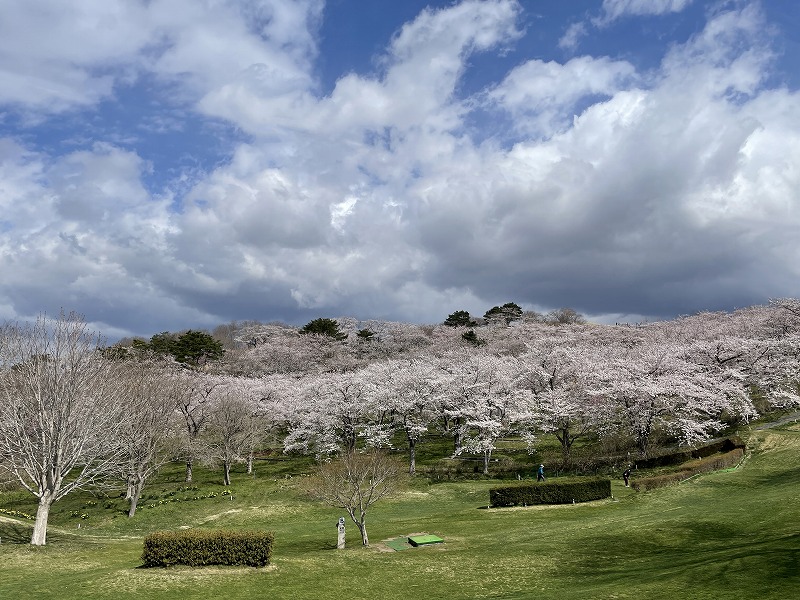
column 194, row 405
column 230, row 428
column 152, row 395
column 565, row 316
column 61, row 412
column 355, row 482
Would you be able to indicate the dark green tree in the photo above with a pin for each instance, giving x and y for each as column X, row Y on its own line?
column 196, row 348
column 510, row 311
column 472, row 338
column 460, row 318
column 326, row 327
column 365, row 334
column 193, row 347
column 163, row 343
column 138, row 345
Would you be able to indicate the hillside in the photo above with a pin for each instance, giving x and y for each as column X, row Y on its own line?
column 723, row 535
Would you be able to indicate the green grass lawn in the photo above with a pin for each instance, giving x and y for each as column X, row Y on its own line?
column 724, row 535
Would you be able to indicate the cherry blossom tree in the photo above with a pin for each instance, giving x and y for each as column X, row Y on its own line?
column 332, row 411
column 781, row 376
column 278, row 348
column 558, row 401
column 755, row 347
column 409, row 389
column 476, row 396
column 655, row 384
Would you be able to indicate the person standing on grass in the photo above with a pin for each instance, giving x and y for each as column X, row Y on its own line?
column 626, row 475
column 540, row 473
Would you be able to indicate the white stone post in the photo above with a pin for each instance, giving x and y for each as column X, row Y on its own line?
column 340, row 527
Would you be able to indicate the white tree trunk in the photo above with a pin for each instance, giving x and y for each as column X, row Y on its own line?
column 39, row 537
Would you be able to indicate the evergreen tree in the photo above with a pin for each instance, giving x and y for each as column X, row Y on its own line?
column 471, row 337
column 460, row 318
column 327, row 327
column 510, row 311
column 196, row 347
column 192, row 347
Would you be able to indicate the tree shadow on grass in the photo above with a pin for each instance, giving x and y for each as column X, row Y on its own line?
column 15, row 533
column 719, row 561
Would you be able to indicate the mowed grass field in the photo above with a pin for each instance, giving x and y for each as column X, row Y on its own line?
column 732, row 534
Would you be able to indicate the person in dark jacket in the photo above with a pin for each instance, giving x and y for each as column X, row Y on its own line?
column 626, row 475
column 540, row 473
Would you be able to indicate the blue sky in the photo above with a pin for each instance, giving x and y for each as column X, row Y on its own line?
column 183, row 163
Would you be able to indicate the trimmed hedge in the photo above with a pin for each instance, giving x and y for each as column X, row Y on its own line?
column 199, row 548
column 551, row 492
column 690, row 469
column 458, row 469
column 677, row 458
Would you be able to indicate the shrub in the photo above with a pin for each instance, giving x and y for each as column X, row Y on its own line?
column 551, row 492
column 690, row 469
column 198, row 548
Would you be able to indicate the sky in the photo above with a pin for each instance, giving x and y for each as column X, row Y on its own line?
column 172, row 164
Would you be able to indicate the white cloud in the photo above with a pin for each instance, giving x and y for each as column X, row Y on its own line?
column 54, row 56
column 622, row 192
column 85, row 47
column 541, row 96
column 421, row 68
column 615, row 9
column 572, row 36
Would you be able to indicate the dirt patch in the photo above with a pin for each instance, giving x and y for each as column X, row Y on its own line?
column 218, row 515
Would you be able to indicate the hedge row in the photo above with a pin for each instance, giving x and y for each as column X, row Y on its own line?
column 689, row 469
column 198, row 548
column 677, row 458
column 551, row 492
column 449, row 469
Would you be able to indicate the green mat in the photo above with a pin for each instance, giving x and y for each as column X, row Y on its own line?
column 413, row 541
column 399, row 544
column 421, row 540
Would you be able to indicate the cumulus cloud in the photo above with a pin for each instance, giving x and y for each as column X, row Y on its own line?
column 592, row 185
column 83, row 49
column 542, row 96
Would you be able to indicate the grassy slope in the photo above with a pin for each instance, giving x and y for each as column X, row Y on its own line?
column 726, row 535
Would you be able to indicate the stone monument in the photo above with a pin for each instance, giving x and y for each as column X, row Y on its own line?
column 340, row 527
